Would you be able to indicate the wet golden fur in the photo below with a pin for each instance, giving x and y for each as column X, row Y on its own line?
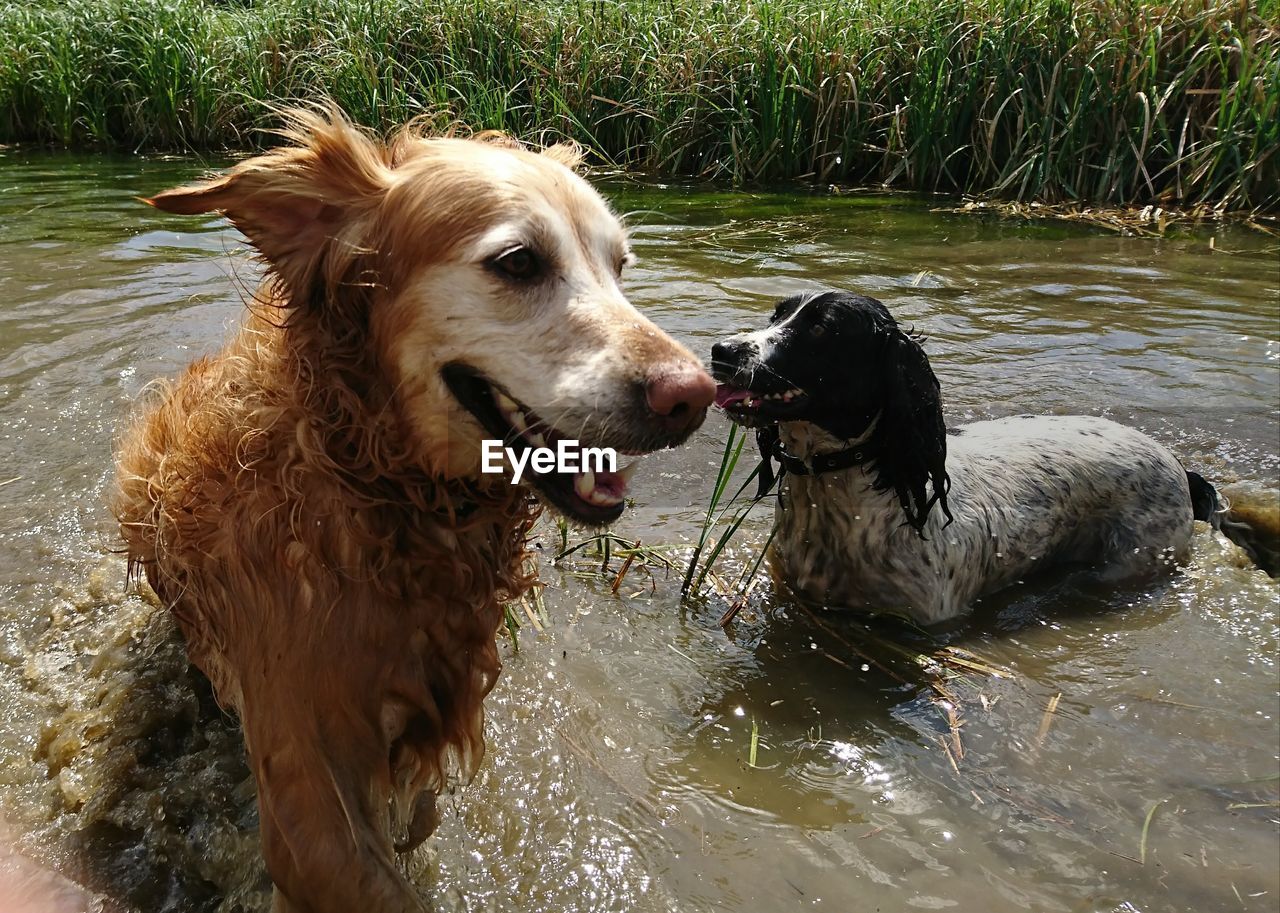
column 308, row 500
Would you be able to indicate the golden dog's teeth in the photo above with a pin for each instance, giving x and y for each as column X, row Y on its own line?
column 517, row 421
column 604, row 499
column 535, row 438
column 505, row 403
column 584, row 484
column 628, row 471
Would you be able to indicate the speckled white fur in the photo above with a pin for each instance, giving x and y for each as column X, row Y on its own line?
column 1026, row 492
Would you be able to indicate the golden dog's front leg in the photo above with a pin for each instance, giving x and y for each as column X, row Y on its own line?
column 324, row 818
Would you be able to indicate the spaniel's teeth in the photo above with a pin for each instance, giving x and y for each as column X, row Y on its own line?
column 517, row 421
column 584, row 485
column 535, row 439
column 628, row 471
column 786, row 397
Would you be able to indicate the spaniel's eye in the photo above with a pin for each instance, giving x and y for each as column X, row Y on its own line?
column 519, row 263
column 817, row 330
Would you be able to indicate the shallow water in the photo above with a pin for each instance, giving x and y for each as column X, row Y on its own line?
column 619, row 736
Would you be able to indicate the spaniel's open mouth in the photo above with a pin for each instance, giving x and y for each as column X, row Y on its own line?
column 594, row 498
column 751, row 408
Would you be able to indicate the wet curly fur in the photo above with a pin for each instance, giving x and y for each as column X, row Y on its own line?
column 315, row 575
column 927, row 521
column 308, row 500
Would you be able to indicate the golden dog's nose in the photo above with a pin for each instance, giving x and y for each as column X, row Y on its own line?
column 679, row 394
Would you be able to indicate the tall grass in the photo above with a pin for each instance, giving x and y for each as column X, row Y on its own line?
column 1115, row 101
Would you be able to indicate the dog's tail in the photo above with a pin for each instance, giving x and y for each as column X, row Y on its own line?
column 1255, row 528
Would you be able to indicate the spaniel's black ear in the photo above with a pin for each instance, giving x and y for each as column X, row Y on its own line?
column 767, row 438
column 911, row 435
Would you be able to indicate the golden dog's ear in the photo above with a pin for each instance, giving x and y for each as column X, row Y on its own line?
column 568, row 153
column 301, row 205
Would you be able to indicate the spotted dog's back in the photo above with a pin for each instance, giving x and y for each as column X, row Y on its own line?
column 1128, row 494
column 1027, row 493
column 1040, row 490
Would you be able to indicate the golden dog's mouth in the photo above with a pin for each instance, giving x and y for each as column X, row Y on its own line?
column 588, row 495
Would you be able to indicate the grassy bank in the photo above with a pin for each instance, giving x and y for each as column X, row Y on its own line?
column 1114, row 101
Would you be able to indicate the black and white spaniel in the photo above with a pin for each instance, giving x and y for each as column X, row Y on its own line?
column 881, row 508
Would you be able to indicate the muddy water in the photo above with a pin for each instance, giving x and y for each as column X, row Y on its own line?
column 618, row 775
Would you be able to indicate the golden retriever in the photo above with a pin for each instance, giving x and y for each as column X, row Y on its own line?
column 310, row 501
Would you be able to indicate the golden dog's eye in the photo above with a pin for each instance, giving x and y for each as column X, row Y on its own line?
column 519, row 263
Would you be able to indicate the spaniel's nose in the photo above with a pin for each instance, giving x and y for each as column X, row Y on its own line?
column 679, row 394
column 730, row 356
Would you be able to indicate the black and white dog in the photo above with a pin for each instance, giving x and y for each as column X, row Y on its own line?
column 880, row 508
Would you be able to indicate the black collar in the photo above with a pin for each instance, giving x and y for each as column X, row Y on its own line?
column 820, row 463
column 770, row 443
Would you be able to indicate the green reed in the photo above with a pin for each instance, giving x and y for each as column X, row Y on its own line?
column 713, row 537
column 1117, row 101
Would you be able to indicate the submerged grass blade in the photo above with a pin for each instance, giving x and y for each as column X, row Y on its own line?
column 1146, row 828
column 1046, row 721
